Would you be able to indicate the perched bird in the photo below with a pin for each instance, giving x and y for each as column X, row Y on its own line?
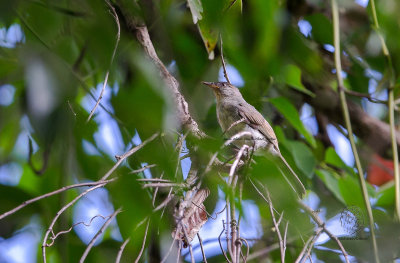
column 235, row 115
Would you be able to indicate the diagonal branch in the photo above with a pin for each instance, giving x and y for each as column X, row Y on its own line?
column 114, row 14
column 137, row 27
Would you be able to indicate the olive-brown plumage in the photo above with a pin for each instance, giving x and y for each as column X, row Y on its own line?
column 235, row 115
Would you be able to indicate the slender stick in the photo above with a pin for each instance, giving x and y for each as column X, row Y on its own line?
column 223, row 61
column 121, row 250
column 114, row 14
column 276, row 225
column 345, row 110
column 144, row 242
column 127, row 154
column 62, row 189
column 101, row 230
column 202, row 248
column 322, row 224
column 50, row 229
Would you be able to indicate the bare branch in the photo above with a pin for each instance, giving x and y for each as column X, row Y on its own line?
column 121, row 250
column 237, row 159
column 143, row 169
column 74, row 225
column 320, row 223
column 101, row 230
column 50, row 229
column 316, row 236
column 276, row 225
column 121, row 158
column 159, row 180
column 182, row 109
column 163, row 185
column 144, row 242
column 114, row 14
column 62, row 189
column 202, row 248
column 220, row 243
column 223, row 61
column 308, row 244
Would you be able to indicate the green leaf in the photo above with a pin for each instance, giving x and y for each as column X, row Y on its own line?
column 292, row 77
column 350, row 191
column 209, row 36
column 386, row 196
column 290, row 113
column 196, row 8
column 303, row 157
column 321, row 28
column 331, row 183
column 332, row 158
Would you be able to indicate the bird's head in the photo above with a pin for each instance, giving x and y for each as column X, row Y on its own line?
column 224, row 90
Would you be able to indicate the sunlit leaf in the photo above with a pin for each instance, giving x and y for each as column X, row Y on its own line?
column 303, row 157
column 292, row 77
column 290, row 113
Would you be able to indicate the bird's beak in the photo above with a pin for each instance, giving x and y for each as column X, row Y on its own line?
column 212, row 85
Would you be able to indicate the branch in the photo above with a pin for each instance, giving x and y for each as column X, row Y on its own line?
column 185, row 120
column 121, row 250
column 114, row 14
column 321, row 224
column 282, row 245
column 50, row 229
column 121, row 158
column 101, row 230
column 144, row 242
column 62, row 189
column 345, row 110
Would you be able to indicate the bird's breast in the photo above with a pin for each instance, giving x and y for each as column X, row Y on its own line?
column 227, row 116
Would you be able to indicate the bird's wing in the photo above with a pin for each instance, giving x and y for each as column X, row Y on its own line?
column 257, row 121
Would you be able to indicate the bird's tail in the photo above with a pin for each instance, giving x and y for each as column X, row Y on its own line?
column 298, row 186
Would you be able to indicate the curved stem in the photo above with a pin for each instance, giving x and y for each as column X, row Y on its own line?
column 346, row 115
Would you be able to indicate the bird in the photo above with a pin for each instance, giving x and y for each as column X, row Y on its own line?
column 235, row 115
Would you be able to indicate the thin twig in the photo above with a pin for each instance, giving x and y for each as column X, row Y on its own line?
column 202, row 248
column 143, row 243
column 220, row 243
column 121, row 158
column 62, row 189
column 236, row 162
column 121, row 250
column 164, row 203
column 346, row 115
column 247, row 249
column 158, row 180
column 179, row 252
column 163, row 185
column 114, row 14
column 54, row 237
column 223, row 60
column 276, row 225
column 143, row 169
column 191, row 254
column 321, row 223
column 307, row 244
column 153, row 200
column 367, row 96
column 214, row 157
column 101, row 230
column 308, row 255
